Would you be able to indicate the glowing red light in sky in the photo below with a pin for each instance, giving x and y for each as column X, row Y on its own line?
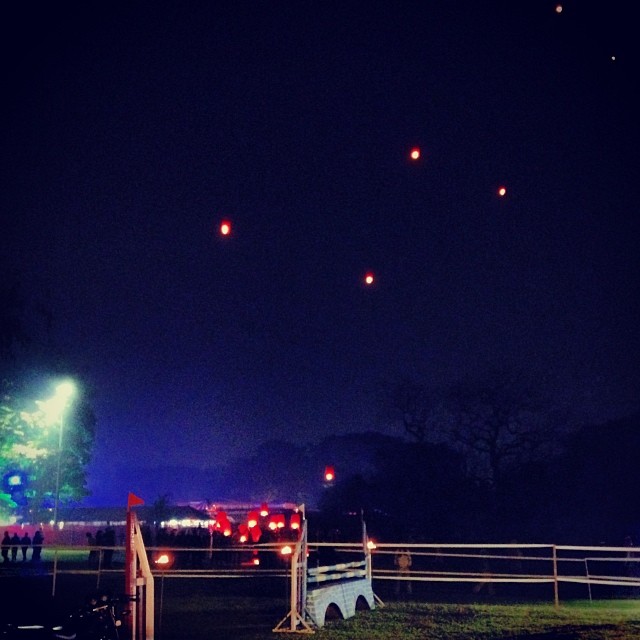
column 368, row 278
column 415, row 153
column 225, row 227
column 502, row 191
column 559, row 8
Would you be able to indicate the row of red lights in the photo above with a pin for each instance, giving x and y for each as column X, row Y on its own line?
column 251, row 528
column 276, row 522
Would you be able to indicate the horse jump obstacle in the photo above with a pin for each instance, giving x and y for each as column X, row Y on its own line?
column 345, row 586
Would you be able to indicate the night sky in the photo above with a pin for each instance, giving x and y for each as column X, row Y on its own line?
column 131, row 130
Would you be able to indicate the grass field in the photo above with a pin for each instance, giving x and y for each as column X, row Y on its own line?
column 242, row 618
column 207, row 614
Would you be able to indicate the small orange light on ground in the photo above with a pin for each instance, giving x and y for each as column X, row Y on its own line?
column 371, row 545
column 163, row 560
column 415, row 153
column 286, row 550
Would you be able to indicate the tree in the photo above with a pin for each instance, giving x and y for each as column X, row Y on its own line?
column 502, row 420
column 418, row 409
column 29, row 455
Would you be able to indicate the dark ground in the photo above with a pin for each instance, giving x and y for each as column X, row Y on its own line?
column 185, row 609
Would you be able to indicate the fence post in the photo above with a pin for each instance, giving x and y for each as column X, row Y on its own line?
column 556, row 598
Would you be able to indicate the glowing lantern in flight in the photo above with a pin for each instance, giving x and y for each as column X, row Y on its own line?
column 558, row 8
column 368, row 278
column 329, row 474
column 264, row 510
column 225, row 227
column 255, row 532
column 277, row 521
column 415, row 153
column 220, row 518
column 502, row 191
column 252, row 520
column 295, row 521
column 243, row 531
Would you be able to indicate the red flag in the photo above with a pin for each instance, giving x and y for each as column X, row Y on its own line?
column 133, row 500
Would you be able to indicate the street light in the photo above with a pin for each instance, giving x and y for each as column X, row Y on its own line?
column 53, row 410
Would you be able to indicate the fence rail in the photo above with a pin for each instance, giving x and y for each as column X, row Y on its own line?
column 594, row 567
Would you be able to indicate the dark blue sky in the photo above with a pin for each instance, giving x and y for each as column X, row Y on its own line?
column 131, row 130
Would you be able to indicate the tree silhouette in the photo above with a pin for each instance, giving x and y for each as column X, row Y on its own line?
column 502, row 420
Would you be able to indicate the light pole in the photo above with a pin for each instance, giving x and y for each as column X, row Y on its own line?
column 54, row 412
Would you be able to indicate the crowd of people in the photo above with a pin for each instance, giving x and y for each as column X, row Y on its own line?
column 12, row 544
column 101, row 547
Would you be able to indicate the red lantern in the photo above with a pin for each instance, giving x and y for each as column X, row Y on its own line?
column 264, row 510
column 256, row 532
column 295, row 521
column 329, row 474
column 252, row 519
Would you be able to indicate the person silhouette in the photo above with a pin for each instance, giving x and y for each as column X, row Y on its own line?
column 402, row 561
column 25, row 543
column 15, row 545
column 6, row 545
column 38, row 541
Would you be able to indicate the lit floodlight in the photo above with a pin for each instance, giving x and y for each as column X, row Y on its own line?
column 66, row 389
column 53, row 410
column 54, row 407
